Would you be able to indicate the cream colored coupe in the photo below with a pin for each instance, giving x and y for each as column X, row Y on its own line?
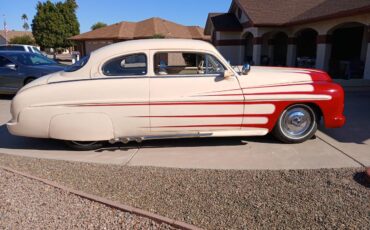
column 172, row 88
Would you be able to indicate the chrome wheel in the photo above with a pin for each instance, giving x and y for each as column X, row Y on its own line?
column 296, row 124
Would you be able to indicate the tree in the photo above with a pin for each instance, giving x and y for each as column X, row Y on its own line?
column 24, row 40
column 54, row 23
column 98, row 25
column 26, row 26
column 25, row 22
column 158, row 36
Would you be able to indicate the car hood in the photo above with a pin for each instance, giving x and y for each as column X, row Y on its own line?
column 271, row 76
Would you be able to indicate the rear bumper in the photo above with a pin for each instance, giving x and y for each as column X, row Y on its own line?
column 13, row 128
column 335, row 121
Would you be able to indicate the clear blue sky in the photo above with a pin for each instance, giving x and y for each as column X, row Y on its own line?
column 187, row 12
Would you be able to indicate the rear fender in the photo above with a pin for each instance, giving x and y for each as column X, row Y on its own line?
column 81, row 127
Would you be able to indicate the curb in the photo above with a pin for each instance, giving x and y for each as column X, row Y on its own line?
column 109, row 203
column 367, row 175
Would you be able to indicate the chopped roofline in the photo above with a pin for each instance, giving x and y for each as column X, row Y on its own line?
column 148, row 44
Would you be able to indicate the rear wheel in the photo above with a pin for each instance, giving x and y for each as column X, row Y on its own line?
column 85, row 145
column 296, row 124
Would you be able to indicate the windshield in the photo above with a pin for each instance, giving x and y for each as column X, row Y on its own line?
column 36, row 50
column 31, row 59
column 78, row 65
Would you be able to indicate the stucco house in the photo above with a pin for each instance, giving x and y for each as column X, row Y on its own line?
column 123, row 31
column 332, row 35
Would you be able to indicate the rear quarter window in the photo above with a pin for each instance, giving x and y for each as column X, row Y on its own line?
column 127, row 65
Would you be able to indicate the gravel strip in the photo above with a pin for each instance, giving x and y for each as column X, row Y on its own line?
column 220, row 199
column 29, row 204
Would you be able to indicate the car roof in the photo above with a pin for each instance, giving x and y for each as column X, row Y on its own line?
column 13, row 52
column 14, row 45
column 156, row 44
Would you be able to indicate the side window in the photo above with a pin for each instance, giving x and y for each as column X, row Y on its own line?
column 4, row 61
column 213, row 66
column 184, row 63
column 135, row 64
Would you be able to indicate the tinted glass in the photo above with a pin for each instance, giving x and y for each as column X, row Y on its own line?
column 31, row 59
column 36, row 50
column 135, row 64
column 213, row 66
column 4, row 61
column 179, row 63
column 78, row 65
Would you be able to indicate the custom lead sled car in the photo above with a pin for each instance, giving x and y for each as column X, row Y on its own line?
column 173, row 88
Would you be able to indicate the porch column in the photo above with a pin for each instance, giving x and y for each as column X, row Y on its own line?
column 271, row 51
column 292, row 52
column 367, row 63
column 257, row 47
column 323, row 52
column 367, row 60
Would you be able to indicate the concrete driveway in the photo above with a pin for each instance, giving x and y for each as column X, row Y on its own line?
column 346, row 147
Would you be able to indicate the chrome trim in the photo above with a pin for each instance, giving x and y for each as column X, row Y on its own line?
column 142, row 77
column 139, row 139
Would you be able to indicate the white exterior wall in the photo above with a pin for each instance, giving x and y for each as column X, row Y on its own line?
column 291, row 55
column 232, row 54
column 367, row 63
column 323, row 54
column 257, row 48
column 364, row 44
column 235, row 53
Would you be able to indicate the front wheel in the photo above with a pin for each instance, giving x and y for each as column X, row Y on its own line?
column 296, row 124
column 85, row 145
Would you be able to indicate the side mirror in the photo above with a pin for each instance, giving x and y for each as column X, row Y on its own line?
column 228, row 73
column 246, row 68
column 11, row 66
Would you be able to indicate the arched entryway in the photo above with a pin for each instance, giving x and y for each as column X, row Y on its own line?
column 248, row 48
column 280, row 49
column 348, row 54
column 306, row 41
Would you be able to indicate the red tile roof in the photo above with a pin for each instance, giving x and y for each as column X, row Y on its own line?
column 281, row 12
column 144, row 29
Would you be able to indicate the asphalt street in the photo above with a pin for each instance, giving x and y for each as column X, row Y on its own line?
column 332, row 148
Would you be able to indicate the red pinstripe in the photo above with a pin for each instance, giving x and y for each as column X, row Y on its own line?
column 206, row 116
column 216, row 125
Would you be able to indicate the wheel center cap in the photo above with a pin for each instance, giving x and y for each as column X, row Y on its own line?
column 297, row 121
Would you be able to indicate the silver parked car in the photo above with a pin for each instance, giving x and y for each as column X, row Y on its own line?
column 19, row 68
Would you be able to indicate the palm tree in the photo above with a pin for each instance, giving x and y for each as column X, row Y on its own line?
column 24, row 17
column 25, row 23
